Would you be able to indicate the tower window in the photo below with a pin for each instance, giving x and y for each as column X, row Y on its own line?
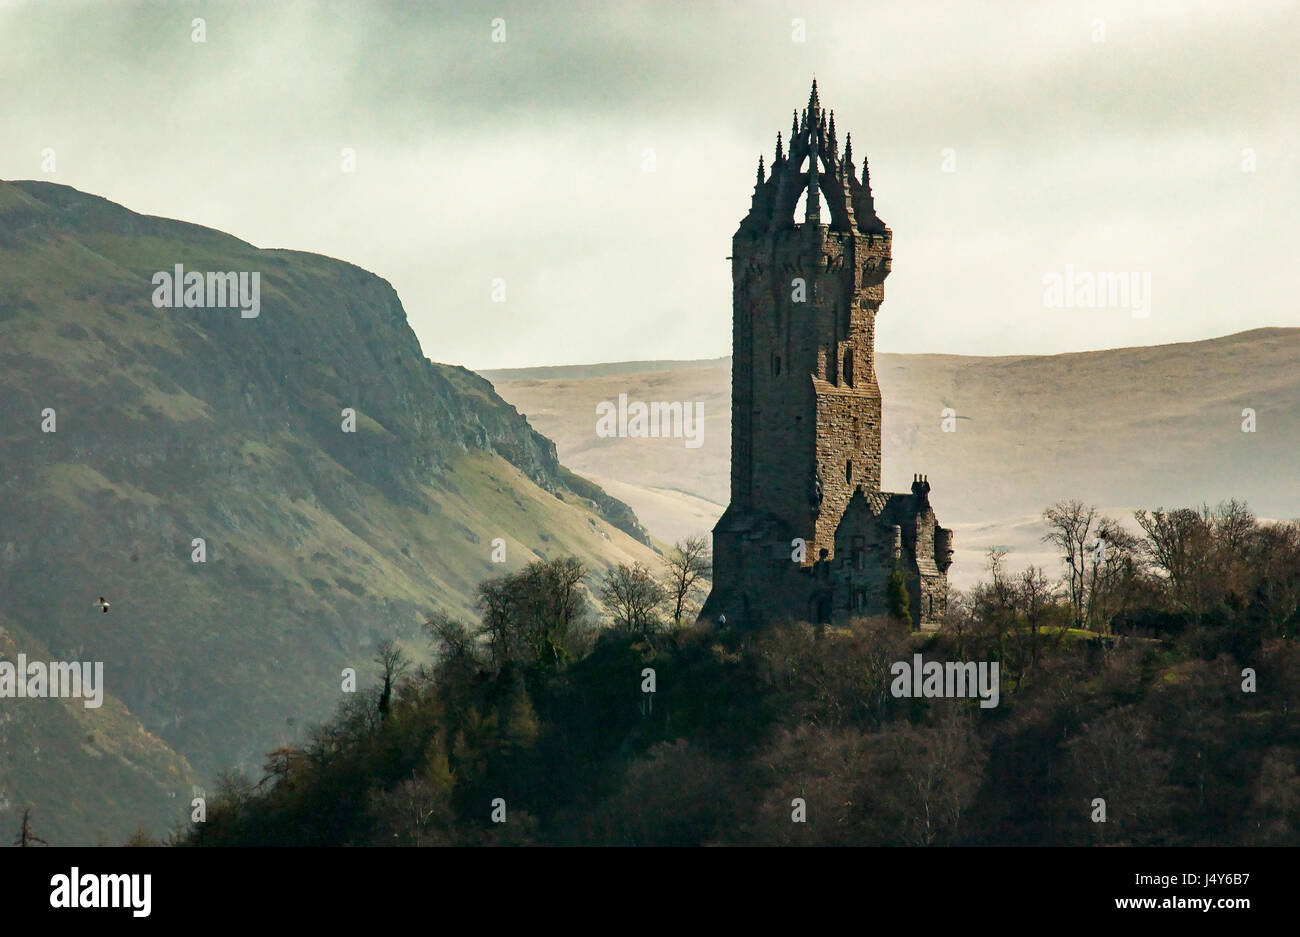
column 848, row 367
column 848, row 471
column 776, row 365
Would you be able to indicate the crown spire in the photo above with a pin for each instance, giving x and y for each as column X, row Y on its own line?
column 813, row 166
column 813, row 213
column 867, row 204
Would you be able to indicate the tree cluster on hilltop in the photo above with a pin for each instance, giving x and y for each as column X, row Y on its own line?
column 1158, row 675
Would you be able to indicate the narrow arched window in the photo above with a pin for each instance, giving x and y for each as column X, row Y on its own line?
column 848, row 367
column 848, row 471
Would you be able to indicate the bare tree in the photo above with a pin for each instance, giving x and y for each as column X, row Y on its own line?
column 939, row 768
column 1234, row 523
column 959, row 619
column 1069, row 523
column 634, row 596
column 1180, row 543
column 993, row 604
column 393, row 661
column 1229, row 570
column 553, row 606
column 1275, row 553
column 420, row 806
column 689, row 562
column 1035, row 598
column 25, row 835
column 496, row 598
column 453, row 637
column 416, row 812
column 1116, row 574
column 529, row 616
column 1117, row 757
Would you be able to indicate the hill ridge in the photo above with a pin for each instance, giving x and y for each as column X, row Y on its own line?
column 175, row 426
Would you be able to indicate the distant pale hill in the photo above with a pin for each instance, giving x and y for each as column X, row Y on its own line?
column 177, row 424
column 1122, row 428
column 553, row 372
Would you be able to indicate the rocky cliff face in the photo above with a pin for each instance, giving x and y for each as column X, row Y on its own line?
column 193, row 465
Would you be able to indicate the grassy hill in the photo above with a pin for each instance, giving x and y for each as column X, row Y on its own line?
column 176, row 424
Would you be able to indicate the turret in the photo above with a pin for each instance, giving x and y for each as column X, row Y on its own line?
column 943, row 548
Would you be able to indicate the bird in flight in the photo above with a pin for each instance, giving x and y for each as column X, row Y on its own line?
column 103, row 603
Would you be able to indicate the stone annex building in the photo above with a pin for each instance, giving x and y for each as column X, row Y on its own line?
column 805, row 406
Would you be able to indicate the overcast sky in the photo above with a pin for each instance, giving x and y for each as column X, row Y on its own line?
column 526, row 159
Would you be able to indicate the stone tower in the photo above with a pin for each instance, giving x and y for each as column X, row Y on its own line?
column 806, row 408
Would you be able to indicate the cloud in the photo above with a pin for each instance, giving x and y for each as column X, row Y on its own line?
column 525, row 159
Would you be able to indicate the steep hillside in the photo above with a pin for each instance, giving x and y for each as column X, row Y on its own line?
column 172, row 424
column 54, row 753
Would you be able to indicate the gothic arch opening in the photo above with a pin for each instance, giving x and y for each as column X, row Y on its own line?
column 832, row 211
column 801, row 207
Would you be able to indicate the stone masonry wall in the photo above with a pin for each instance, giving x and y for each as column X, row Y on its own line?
column 803, row 371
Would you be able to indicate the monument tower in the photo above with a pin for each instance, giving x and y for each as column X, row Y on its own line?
column 809, row 534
